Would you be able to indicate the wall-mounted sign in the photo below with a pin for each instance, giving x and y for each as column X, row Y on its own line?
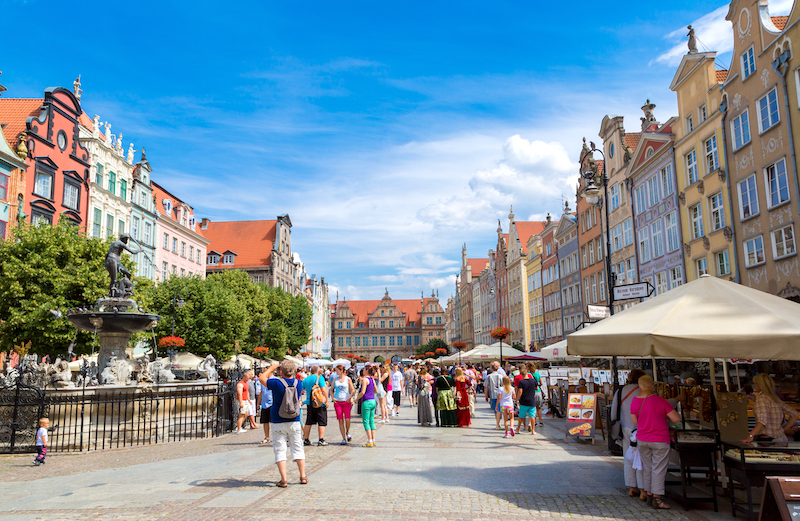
column 638, row 290
column 598, row 312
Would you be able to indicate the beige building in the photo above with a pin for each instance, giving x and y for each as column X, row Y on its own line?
column 763, row 170
column 700, row 167
column 518, row 234
column 533, row 300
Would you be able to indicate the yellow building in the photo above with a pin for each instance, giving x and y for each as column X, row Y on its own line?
column 701, row 175
column 534, row 306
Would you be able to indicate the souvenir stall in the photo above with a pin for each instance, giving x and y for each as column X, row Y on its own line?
column 706, row 319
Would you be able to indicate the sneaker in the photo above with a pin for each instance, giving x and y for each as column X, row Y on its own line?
column 368, row 444
column 530, row 428
column 37, row 462
column 512, row 431
column 322, row 443
column 506, row 436
column 307, row 443
column 240, row 431
column 348, row 437
column 344, row 442
column 498, row 428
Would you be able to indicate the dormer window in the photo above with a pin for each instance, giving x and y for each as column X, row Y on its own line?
column 212, row 258
column 227, row 259
column 192, row 221
column 167, row 205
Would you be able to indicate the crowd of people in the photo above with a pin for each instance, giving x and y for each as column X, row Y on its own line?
column 441, row 397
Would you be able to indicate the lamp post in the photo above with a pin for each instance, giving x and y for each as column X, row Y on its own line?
column 593, row 175
column 177, row 300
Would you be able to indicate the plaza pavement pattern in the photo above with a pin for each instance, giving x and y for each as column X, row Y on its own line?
column 416, row 473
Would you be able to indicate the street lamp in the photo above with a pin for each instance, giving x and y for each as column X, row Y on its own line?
column 593, row 175
column 177, row 300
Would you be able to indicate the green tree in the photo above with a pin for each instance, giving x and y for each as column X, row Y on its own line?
column 433, row 345
column 45, row 268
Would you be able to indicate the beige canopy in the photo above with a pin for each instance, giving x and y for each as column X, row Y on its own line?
column 491, row 353
column 706, row 318
column 184, row 360
column 557, row 352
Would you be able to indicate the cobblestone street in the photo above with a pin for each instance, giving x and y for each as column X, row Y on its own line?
column 414, row 473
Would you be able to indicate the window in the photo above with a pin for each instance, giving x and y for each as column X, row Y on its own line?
column 644, row 246
column 191, row 252
column 383, row 341
column 164, row 272
column 691, row 167
column 198, row 257
column 748, row 63
column 748, row 197
column 383, row 323
column 696, row 218
column 143, row 199
column 689, row 123
column 391, row 323
column 123, row 189
column 98, row 176
column 583, row 256
column 671, row 220
column 43, row 185
column 599, row 249
column 702, row 266
column 616, row 238
column 408, row 340
column 783, row 242
column 416, row 340
column 341, row 342
column 183, row 249
column 3, row 229
column 675, row 277
column 166, row 241
column 109, row 225
column 641, row 206
column 657, row 234
column 174, row 245
column 722, row 263
column 777, row 184
column 753, row 251
column 391, row 340
column 653, row 192
column 98, row 222
column 631, row 270
column 120, row 227
column 701, row 113
column 768, row 111
column 227, row 259
column 667, row 184
column 661, row 282
column 135, row 227
column 591, row 256
column 627, row 232
column 212, row 259
column 593, row 281
column 615, row 190
column 147, row 231
column 183, row 272
column 717, row 212
column 602, row 283
column 112, row 182
column 712, row 159
column 4, row 186
column 174, row 270
column 71, row 194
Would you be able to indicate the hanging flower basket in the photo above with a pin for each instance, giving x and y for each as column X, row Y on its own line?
column 261, row 349
column 305, row 354
column 169, row 342
column 441, row 351
column 429, row 354
column 460, row 345
column 500, row 333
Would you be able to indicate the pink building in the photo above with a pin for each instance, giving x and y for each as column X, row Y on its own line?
column 180, row 249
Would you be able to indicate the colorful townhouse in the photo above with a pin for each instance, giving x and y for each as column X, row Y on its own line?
column 470, row 271
column 501, row 276
column 591, row 233
column 551, row 284
column 144, row 219
column 701, row 171
column 569, row 272
column 535, row 305
column 12, row 182
column 488, row 296
column 181, row 250
column 656, row 216
column 518, row 234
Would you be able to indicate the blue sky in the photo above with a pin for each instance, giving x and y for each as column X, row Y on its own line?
column 390, row 132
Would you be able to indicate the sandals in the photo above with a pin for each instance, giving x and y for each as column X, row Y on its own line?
column 634, row 492
column 658, row 504
column 303, row 480
column 265, row 441
column 282, row 484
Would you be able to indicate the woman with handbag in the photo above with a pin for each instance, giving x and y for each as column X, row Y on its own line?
column 424, row 413
column 380, row 392
column 445, row 402
column 621, row 411
column 462, row 399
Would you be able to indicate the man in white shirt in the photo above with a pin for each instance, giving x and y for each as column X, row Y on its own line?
column 397, row 388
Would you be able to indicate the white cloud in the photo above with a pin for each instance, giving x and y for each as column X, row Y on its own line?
column 713, row 32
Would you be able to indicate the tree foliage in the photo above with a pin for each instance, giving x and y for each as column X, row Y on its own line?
column 432, row 345
column 45, row 268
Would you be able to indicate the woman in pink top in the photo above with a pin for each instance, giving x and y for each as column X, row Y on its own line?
column 650, row 413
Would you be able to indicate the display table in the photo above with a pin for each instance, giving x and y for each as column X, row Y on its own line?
column 696, row 451
column 749, row 463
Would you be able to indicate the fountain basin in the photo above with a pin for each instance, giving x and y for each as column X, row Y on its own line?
column 113, row 322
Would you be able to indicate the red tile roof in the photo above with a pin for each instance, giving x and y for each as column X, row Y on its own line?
column 632, row 139
column 162, row 194
column 779, row 21
column 14, row 112
column 525, row 229
column 251, row 241
column 361, row 309
column 478, row 265
column 722, row 75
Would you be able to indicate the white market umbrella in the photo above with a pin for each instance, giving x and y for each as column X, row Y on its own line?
column 557, row 352
column 317, row 362
column 491, row 353
column 343, row 362
column 230, row 363
column 706, row 318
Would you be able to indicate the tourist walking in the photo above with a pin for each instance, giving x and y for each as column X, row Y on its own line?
column 343, row 394
column 252, row 391
column 540, row 393
column 41, row 441
column 285, row 418
column 424, row 412
column 461, row 397
column 505, row 402
column 650, row 413
column 382, row 383
column 436, row 373
column 317, row 406
column 445, row 402
column 526, row 398
column 491, row 388
column 266, row 405
column 770, row 412
column 397, row 388
column 410, row 377
column 634, row 479
column 243, row 400
column 368, row 405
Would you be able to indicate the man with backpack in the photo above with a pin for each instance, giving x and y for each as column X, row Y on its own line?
column 527, row 385
column 317, row 402
column 285, row 418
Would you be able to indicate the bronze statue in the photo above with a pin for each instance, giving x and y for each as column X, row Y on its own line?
column 119, row 287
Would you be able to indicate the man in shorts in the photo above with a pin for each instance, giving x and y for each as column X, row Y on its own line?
column 526, row 398
column 266, row 409
column 493, row 382
column 243, row 400
column 315, row 415
column 286, row 432
column 410, row 377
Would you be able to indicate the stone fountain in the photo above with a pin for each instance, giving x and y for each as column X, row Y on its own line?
column 116, row 317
